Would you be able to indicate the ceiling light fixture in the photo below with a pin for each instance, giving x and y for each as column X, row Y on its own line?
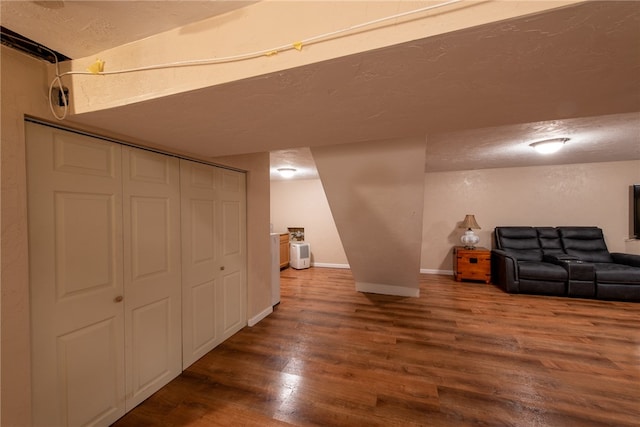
column 286, row 172
column 548, row 146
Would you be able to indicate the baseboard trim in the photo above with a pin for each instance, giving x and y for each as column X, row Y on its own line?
column 432, row 271
column 258, row 317
column 347, row 266
column 329, row 265
column 378, row 288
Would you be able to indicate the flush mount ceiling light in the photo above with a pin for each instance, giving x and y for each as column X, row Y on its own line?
column 548, row 146
column 286, row 172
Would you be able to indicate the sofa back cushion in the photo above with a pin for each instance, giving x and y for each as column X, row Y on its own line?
column 519, row 242
column 587, row 243
column 550, row 241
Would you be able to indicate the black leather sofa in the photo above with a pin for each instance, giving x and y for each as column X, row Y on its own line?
column 563, row 261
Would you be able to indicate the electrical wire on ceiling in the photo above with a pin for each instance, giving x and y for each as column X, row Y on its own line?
column 53, row 58
column 97, row 68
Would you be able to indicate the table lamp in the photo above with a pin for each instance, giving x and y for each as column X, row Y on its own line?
column 469, row 239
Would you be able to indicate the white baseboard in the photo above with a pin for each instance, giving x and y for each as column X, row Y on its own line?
column 378, row 288
column 347, row 266
column 432, row 271
column 329, row 265
column 258, row 317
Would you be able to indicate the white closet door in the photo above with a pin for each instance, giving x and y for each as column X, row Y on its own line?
column 75, row 250
column 200, row 260
column 152, row 273
column 213, row 257
column 233, row 250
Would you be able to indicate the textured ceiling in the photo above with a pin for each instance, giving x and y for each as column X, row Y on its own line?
column 592, row 139
column 103, row 25
column 479, row 95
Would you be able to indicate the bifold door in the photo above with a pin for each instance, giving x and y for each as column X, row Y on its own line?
column 137, row 268
column 152, row 276
column 105, row 276
column 76, row 278
column 214, row 257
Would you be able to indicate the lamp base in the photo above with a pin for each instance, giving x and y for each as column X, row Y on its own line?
column 469, row 239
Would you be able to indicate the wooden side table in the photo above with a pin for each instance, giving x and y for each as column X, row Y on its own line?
column 472, row 264
column 284, row 250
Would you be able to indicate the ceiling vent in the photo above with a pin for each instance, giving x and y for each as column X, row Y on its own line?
column 16, row 41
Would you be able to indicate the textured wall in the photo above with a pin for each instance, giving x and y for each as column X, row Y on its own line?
column 302, row 203
column 23, row 92
column 580, row 194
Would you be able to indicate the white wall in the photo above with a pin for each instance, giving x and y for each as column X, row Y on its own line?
column 579, row 194
column 302, row 203
column 23, row 92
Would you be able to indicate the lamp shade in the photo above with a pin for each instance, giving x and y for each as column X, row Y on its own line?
column 469, row 239
column 470, row 223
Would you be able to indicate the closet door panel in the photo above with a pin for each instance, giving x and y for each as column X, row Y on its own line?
column 98, row 341
column 201, row 260
column 203, row 299
column 202, row 234
column 234, row 252
column 152, row 272
column 150, row 237
column 152, row 336
column 82, row 218
column 232, row 296
column 75, row 268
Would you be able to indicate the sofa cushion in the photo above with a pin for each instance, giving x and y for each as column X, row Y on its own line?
column 545, row 287
column 541, row 271
column 616, row 273
column 550, row 242
column 617, row 291
column 519, row 242
column 587, row 243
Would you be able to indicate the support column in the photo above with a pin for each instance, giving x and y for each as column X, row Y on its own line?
column 375, row 191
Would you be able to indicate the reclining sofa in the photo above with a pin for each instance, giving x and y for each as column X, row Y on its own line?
column 563, row 261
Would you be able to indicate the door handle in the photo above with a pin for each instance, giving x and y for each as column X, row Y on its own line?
column 222, row 268
column 119, row 298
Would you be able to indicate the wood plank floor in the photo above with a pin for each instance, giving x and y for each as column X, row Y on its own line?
column 463, row 354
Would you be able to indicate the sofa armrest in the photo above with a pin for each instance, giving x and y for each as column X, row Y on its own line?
column 628, row 259
column 504, row 270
